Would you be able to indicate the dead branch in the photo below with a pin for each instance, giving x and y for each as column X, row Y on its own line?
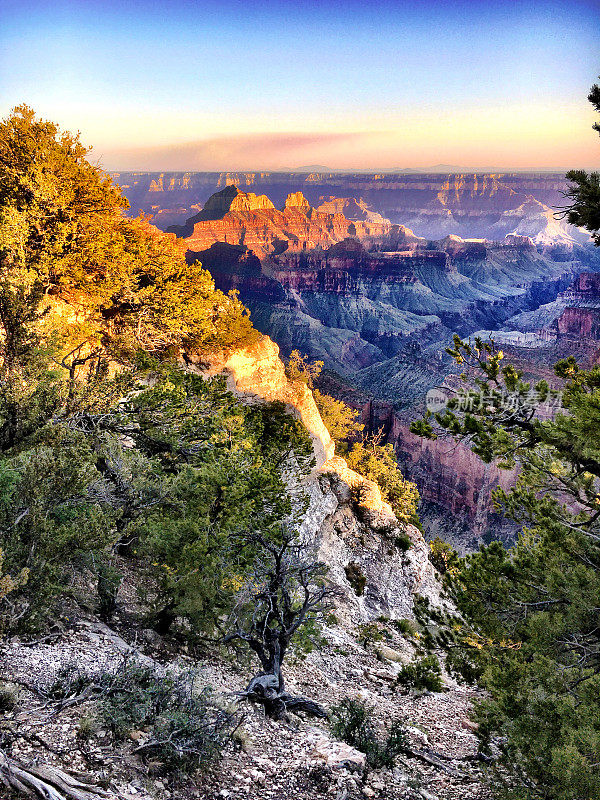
column 45, row 782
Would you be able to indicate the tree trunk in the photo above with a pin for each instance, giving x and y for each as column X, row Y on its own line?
column 267, row 688
column 164, row 619
column 45, row 782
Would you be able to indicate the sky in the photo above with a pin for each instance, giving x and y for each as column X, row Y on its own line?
column 276, row 84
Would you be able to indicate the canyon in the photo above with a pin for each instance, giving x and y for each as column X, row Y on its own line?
column 348, row 281
column 433, row 205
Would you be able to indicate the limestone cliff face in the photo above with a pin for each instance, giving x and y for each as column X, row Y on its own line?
column 358, row 544
column 257, row 374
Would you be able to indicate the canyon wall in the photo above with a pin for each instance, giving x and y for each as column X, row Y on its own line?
column 433, row 205
column 328, row 265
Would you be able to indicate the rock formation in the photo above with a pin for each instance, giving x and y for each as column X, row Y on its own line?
column 241, row 218
column 377, row 302
column 573, row 316
column 353, row 307
column 348, row 540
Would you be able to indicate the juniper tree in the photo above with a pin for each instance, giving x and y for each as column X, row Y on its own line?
column 285, row 591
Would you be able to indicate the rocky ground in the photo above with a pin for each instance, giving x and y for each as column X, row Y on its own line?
column 267, row 760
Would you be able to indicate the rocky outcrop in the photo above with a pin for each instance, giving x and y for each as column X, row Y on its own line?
column 257, row 374
column 360, row 540
column 351, row 208
column 580, row 323
column 574, row 317
column 452, row 479
column 297, row 200
column 239, row 218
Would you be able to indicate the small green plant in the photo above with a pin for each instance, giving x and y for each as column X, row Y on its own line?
column 186, row 730
column 370, row 633
column 9, row 697
column 69, row 681
column 109, row 580
column 423, row 673
column 405, row 626
column 402, row 541
column 359, row 493
column 88, row 726
column 356, row 578
column 352, row 722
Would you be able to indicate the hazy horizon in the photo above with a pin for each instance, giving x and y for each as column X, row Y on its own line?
column 226, row 86
column 323, row 168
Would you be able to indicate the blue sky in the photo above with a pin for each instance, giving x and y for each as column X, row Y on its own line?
column 231, row 85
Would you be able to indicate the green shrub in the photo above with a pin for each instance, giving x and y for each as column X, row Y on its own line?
column 340, row 420
column 185, row 729
column 405, row 627
column 462, row 666
column 352, row 721
column 69, row 681
column 378, row 463
column 9, row 697
column 424, row 673
column 359, row 493
column 369, row 633
column 109, row 580
column 403, row 541
column 443, row 556
column 356, row 578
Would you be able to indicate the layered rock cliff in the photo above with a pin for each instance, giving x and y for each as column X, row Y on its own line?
column 240, row 218
column 573, row 317
column 353, row 307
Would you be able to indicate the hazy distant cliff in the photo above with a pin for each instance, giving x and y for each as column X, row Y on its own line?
column 471, row 205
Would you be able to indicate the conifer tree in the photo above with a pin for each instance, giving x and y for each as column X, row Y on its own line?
column 533, row 610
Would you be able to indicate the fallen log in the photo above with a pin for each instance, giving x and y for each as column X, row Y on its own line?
column 45, row 782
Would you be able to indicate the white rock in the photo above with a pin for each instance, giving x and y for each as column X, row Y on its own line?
column 336, row 754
